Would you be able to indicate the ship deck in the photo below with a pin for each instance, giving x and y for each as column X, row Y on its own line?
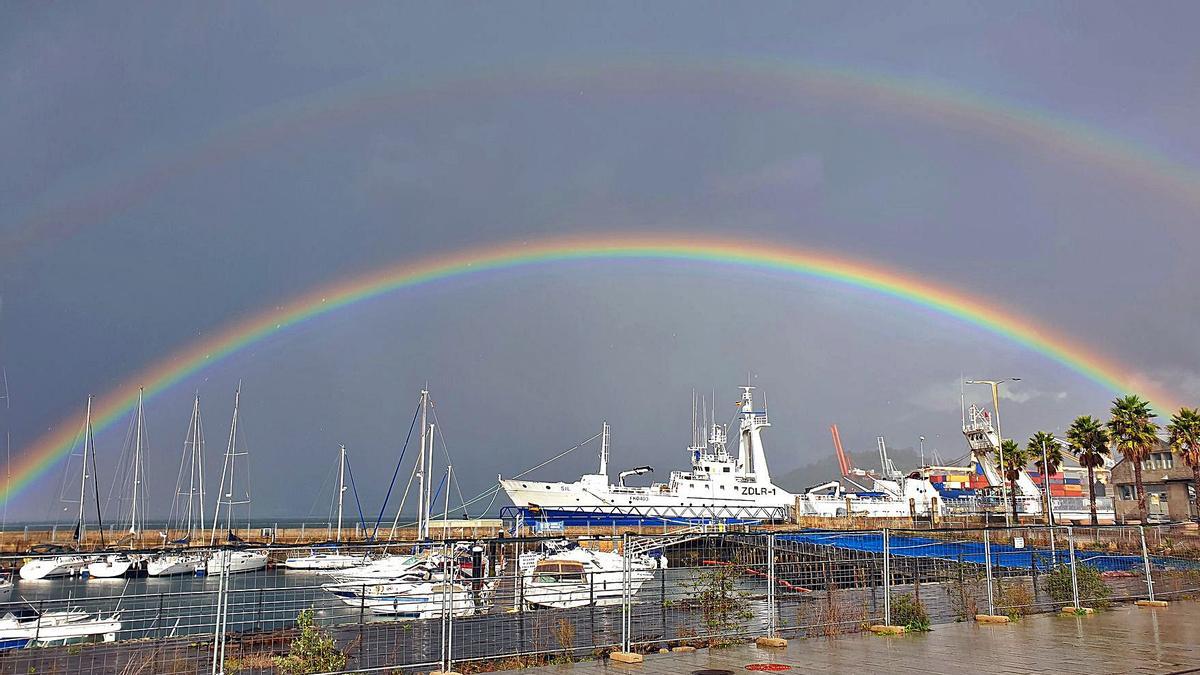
column 1125, row 639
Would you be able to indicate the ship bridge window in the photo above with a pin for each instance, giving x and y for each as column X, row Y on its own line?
column 726, row 469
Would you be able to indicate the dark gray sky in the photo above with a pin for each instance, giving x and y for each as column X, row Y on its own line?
column 165, row 173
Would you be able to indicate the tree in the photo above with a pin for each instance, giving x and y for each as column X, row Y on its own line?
column 1044, row 444
column 1184, row 430
column 1132, row 430
column 1015, row 461
column 1089, row 441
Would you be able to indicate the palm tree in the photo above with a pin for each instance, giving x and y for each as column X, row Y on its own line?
column 1089, row 441
column 1015, row 461
column 1044, row 443
column 1132, row 430
column 1184, row 429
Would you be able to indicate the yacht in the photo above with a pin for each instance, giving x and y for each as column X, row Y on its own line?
column 572, row 576
column 26, row 627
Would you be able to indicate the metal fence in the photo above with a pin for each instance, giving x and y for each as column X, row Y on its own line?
column 495, row 603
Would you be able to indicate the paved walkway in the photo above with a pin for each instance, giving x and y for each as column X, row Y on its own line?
column 1125, row 639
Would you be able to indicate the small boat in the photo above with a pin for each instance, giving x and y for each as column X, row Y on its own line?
column 411, row 600
column 26, row 627
column 111, row 566
column 233, row 561
column 170, row 564
column 579, row 577
column 390, row 567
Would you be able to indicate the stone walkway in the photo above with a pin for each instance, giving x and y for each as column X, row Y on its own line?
column 1125, row 639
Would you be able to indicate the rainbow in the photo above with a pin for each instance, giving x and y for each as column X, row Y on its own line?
column 107, row 190
column 117, row 404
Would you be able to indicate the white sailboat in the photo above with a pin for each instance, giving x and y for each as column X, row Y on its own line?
column 329, row 557
column 187, row 508
column 230, row 561
column 119, row 564
column 72, row 564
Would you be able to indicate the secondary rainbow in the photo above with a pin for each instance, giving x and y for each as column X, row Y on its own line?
column 101, row 192
column 44, row 453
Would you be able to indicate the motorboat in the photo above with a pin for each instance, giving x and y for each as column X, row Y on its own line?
column 574, row 576
column 408, row 600
column 26, row 627
column 234, row 561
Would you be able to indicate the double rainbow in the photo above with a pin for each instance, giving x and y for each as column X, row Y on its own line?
column 46, row 451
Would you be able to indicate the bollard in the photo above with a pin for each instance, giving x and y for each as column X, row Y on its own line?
column 1074, row 576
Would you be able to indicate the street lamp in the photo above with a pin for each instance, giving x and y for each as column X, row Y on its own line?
column 995, row 385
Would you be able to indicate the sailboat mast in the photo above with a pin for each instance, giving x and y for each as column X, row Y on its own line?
column 232, row 451
column 198, row 463
column 422, row 486
column 429, row 492
column 137, row 468
column 80, row 526
column 341, row 488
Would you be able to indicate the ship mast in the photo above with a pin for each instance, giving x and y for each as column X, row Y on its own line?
column 80, row 525
column 134, row 528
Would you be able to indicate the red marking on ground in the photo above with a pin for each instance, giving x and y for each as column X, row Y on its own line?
column 768, row 667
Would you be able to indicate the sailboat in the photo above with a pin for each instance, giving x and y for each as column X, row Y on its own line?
column 327, row 556
column 232, row 560
column 187, row 515
column 72, row 564
column 119, row 564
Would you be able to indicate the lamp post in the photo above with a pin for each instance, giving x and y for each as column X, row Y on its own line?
column 995, row 385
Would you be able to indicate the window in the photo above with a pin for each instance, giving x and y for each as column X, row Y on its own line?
column 726, row 469
column 1159, row 460
column 1126, row 492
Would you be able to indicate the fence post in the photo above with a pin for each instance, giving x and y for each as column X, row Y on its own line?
column 771, row 600
column 987, row 565
column 887, row 580
column 1146, row 562
column 626, row 610
column 1074, row 576
column 447, row 608
column 218, row 660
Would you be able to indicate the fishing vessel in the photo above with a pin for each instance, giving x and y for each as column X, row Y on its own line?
column 187, row 506
column 718, row 486
column 233, row 560
column 886, row 494
column 568, row 575
column 26, row 627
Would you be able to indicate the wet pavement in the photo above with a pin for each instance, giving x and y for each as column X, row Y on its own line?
column 1124, row 639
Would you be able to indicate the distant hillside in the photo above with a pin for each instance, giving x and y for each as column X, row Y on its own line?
column 826, row 469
